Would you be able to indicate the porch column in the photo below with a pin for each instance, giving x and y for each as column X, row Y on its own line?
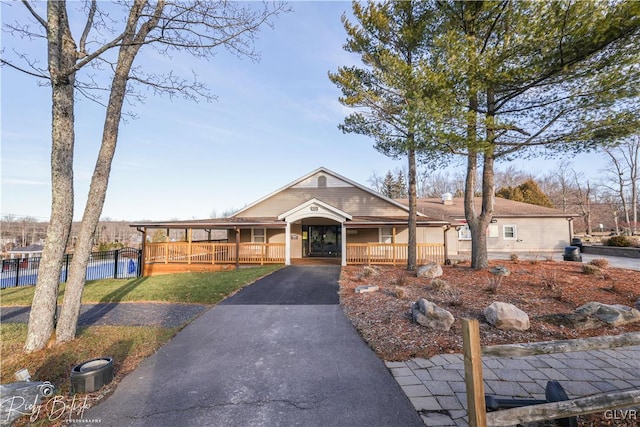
column 344, row 245
column 287, row 245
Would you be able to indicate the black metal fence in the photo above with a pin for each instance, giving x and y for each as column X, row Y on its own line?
column 117, row 264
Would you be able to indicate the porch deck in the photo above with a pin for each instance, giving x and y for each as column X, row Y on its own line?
column 315, row 261
column 172, row 257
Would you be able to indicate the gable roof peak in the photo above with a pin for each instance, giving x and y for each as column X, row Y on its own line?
column 326, row 171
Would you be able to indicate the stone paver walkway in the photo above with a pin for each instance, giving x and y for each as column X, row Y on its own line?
column 436, row 386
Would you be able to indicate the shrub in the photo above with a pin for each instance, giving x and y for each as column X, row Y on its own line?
column 440, row 285
column 401, row 278
column 369, row 271
column 514, row 258
column 619, row 241
column 590, row 269
column 550, row 280
column 600, row 262
column 401, row 293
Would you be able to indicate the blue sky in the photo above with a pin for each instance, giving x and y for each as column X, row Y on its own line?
column 273, row 121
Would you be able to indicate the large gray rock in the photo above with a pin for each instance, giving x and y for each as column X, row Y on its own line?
column 573, row 321
column 21, row 398
column 614, row 315
column 500, row 270
column 503, row 315
column 430, row 271
column 430, row 315
column 366, row 288
column 637, row 306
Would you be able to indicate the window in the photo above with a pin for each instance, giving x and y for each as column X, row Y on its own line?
column 386, row 235
column 509, row 232
column 257, row 235
column 464, row 232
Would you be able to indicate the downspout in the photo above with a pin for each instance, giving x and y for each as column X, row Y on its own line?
column 447, row 261
column 570, row 222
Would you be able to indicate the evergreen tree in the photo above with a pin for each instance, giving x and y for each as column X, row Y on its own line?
column 515, row 77
column 391, row 39
column 527, row 192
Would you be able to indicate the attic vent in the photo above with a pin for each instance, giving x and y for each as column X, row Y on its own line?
column 447, row 199
column 322, row 182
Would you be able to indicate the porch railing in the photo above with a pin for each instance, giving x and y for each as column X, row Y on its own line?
column 274, row 253
column 392, row 253
column 214, row 253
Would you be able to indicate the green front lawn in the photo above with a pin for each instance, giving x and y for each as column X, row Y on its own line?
column 128, row 345
column 194, row 288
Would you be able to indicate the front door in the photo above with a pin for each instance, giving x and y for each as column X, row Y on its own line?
column 324, row 241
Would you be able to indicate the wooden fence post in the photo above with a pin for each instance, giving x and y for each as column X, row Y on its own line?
column 473, row 373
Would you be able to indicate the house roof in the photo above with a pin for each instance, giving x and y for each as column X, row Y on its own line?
column 215, row 223
column 237, row 220
column 273, row 222
column 503, row 208
column 335, row 175
column 28, row 249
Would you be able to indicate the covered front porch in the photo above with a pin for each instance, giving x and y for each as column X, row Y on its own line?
column 313, row 232
column 211, row 256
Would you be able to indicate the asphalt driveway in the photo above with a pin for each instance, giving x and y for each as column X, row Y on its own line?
column 278, row 353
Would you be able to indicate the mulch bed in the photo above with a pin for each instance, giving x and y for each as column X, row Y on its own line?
column 539, row 288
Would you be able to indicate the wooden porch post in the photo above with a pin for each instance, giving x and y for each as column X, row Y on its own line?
column 237, row 248
column 393, row 241
column 343, row 232
column 287, row 244
column 166, row 248
column 189, row 236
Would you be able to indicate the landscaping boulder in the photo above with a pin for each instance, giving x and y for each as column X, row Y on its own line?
column 500, row 270
column 579, row 322
column 506, row 316
column 430, row 271
column 638, row 304
column 366, row 288
column 614, row 315
column 430, row 315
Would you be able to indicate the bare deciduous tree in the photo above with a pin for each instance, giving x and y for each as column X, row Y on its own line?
column 196, row 27
column 624, row 178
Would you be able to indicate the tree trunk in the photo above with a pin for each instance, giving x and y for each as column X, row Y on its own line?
column 634, row 157
column 61, row 58
column 480, row 257
column 67, row 324
column 413, row 213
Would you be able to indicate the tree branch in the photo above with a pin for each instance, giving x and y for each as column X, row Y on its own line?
column 87, row 29
column 15, row 67
column 35, row 14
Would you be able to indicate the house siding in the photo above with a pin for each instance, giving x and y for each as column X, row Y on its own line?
column 533, row 235
column 351, row 199
column 296, row 244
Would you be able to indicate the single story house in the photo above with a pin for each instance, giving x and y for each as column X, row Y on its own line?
column 26, row 256
column 320, row 216
column 30, row 251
